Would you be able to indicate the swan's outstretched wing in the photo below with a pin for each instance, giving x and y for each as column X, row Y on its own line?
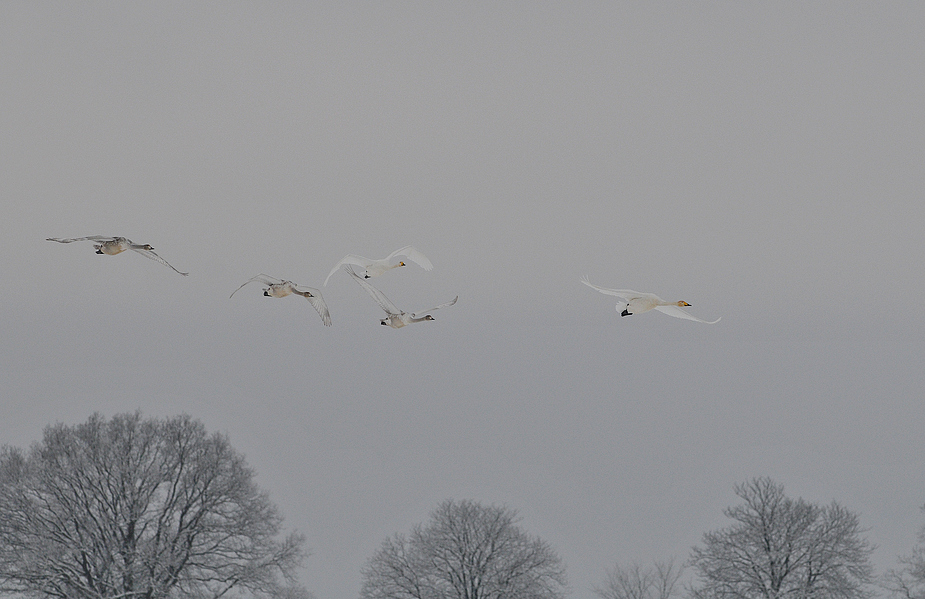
column 265, row 279
column 415, row 315
column 317, row 303
column 156, row 258
column 381, row 299
column 413, row 255
column 679, row 313
column 102, row 238
column 348, row 259
column 624, row 294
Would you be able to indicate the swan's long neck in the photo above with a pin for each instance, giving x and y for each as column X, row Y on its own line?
column 664, row 303
column 421, row 319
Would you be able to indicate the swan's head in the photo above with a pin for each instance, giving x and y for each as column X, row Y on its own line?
column 147, row 246
column 429, row 317
column 383, row 323
column 683, row 303
column 402, row 264
column 266, row 292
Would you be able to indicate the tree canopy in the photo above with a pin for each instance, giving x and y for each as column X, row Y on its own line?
column 466, row 551
column 778, row 548
column 134, row 507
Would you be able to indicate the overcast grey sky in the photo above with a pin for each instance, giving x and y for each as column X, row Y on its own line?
column 762, row 161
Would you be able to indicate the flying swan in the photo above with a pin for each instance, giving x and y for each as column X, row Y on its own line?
column 395, row 318
column 279, row 288
column 374, row 268
column 635, row 302
column 116, row 245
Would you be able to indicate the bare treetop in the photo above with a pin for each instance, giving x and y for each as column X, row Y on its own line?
column 638, row 582
column 780, row 547
column 908, row 581
column 138, row 508
column 466, row 551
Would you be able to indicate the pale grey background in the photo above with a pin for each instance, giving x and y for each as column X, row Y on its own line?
column 763, row 162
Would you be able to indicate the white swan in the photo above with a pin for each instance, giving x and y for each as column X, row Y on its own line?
column 374, row 268
column 635, row 302
column 395, row 318
column 116, row 245
column 280, row 288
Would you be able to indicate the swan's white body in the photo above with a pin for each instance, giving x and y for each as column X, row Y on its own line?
column 116, row 245
column 395, row 318
column 636, row 302
column 374, row 268
column 279, row 288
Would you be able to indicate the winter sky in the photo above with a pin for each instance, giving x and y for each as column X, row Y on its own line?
column 763, row 161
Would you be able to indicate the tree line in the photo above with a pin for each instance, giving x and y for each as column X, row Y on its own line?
column 156, row 509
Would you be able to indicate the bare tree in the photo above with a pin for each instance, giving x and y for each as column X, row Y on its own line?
column 132, row 508
column 638, row 582
column 783, row 548
column 466, row 551
column 908, row 581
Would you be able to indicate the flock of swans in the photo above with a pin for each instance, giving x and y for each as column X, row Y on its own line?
column 632, row 302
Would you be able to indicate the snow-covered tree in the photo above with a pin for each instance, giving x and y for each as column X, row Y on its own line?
column 783, row 548
column 466, row 551
column 134, row 507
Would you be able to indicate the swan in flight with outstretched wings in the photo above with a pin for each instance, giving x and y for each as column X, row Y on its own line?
column 636, row 302
column 374, row 268
column 116, row 245
column 279, row 288
column 395, row 318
